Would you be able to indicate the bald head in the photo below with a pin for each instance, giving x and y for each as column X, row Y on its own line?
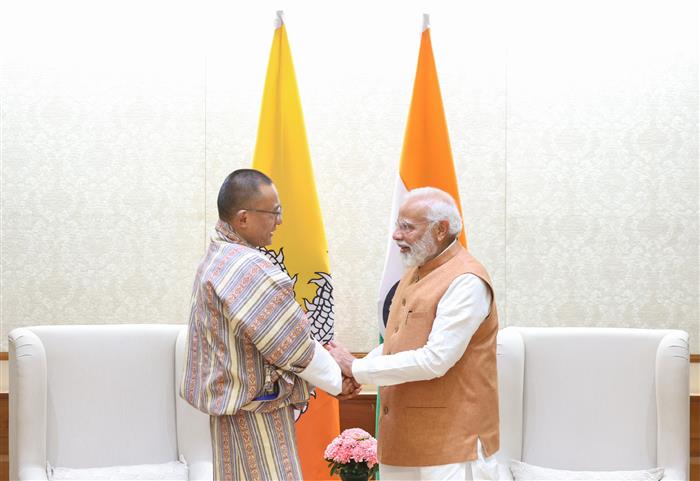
column 436, row 205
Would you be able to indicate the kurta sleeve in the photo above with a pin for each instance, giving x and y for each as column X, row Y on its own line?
column 323, row 371
column 460, row 312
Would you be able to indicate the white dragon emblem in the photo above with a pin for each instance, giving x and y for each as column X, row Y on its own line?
column 319, row 310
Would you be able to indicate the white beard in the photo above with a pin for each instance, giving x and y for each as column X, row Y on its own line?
column 419, row 252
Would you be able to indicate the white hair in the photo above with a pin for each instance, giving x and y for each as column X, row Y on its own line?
column 441, row 206
column 420, row 251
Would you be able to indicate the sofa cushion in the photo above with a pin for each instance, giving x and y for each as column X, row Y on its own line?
column 529, row 472
column 172, row 471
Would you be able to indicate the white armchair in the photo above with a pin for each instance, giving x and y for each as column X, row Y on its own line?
column 101, row 395
column 594, row 399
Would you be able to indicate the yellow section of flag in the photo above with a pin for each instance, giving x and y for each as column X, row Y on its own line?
column 282, row 152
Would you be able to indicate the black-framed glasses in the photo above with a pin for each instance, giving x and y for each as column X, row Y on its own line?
column 277, row 213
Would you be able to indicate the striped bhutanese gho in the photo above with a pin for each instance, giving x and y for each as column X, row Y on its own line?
column 252, row 446
column 247, row 335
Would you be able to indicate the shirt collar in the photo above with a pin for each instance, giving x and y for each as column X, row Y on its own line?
column 445, row 249
column 226, row 233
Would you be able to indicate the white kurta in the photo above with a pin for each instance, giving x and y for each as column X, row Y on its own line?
column 459, row 314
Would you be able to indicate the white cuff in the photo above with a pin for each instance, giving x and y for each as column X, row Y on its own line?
column 323, row 371
column 360, row 371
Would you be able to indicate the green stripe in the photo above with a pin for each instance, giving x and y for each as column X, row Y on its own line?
column 376, row 413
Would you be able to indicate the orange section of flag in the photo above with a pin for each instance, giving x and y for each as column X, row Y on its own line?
column 426, row 158
column 315, row 430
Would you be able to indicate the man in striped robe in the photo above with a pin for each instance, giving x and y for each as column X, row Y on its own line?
column 251, row 356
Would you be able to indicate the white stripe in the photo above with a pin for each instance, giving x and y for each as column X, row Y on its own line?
column 393, row 267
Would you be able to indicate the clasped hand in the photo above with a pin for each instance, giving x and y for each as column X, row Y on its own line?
column 351, row 388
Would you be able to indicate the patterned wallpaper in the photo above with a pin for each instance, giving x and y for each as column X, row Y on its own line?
column 574, row 129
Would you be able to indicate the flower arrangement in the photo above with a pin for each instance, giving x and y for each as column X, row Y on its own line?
column 352, row 455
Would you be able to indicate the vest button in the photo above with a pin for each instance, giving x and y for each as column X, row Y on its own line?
column 386, row 410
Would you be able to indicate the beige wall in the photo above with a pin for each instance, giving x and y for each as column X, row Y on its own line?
column 574, row 128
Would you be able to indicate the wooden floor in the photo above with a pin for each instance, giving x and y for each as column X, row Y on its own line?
column 360, row 413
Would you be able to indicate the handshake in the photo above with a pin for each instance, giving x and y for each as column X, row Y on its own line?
column 344, row 359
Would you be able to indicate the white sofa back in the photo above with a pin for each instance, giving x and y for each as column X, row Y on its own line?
column 595, row 398
column 101, row 395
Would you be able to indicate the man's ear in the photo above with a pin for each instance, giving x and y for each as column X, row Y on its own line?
column 239, row 220
column 442, row 230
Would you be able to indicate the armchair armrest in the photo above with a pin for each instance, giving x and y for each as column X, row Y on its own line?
column 672, row 405
column 27, row 418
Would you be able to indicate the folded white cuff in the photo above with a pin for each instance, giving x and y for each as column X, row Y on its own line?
column 323, row 371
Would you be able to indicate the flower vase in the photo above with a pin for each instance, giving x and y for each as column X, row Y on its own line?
column 354, row 476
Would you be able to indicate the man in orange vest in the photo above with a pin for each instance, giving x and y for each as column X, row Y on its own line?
column 438, row 416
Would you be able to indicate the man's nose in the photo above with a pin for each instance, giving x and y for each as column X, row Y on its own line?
column 397, row 235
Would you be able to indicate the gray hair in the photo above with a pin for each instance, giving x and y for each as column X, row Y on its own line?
column 441, row 206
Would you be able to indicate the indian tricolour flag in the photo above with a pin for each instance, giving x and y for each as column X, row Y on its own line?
column 426, row 160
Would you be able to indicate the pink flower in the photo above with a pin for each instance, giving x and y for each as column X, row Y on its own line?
column 352, row 446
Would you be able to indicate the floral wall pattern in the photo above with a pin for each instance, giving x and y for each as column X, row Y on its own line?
column 574, row 129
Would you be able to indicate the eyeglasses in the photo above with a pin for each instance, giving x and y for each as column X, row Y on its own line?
column 277, row 213
column 408, row 227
